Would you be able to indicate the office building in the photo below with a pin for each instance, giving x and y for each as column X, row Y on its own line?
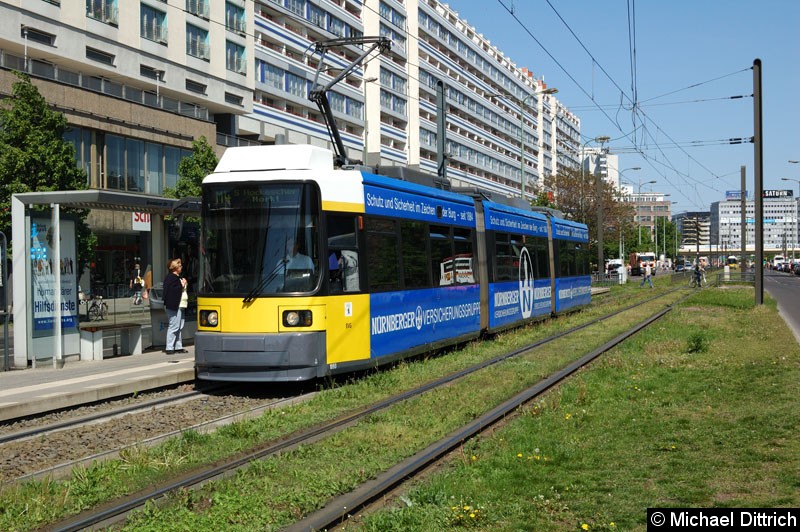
column 780, row 224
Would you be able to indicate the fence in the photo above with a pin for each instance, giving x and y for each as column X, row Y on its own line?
column 605, row 279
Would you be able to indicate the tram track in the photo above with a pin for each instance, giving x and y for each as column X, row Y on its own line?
column 53, row 450
column 98, row 417
column 117, row 511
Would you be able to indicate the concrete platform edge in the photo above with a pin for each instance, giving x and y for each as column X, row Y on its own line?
column 95, row 394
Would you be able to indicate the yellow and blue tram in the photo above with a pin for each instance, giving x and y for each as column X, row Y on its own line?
column 308, row 271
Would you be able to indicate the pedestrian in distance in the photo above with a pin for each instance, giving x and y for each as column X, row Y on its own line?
column 174, row 293
column 648, row 273
column 136, row 283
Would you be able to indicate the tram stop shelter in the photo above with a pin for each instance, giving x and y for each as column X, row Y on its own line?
column 45, row 281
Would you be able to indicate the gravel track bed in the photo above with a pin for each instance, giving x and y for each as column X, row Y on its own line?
column 43, row 452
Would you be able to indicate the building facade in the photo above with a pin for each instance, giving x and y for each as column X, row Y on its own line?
column 598, row 161
column 140, row 80
column 781, row 216
column 694, row 229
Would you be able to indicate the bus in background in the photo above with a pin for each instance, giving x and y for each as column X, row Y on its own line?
column 645, row 259
column 732, row 262
column 777, row 260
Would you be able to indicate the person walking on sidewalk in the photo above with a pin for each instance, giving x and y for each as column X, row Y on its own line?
column 648, row 276
column 174, row 291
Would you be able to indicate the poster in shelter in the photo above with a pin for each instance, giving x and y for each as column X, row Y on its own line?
column 43, row 276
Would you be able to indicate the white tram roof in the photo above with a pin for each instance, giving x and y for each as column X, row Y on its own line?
column 341, row 189
column 275, row 157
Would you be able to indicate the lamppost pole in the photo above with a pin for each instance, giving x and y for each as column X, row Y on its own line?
column 522, row 103
column 663, row 232
column 364, row 155
column 599, row 181
column 621, row 174
column 638, row 213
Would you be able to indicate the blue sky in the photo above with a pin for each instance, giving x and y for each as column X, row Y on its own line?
column 691, row 57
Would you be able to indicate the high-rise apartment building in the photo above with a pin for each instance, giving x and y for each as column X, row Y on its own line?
column 139, row 80
column 694, row 229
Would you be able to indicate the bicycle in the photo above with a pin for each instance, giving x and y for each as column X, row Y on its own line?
column 98, row 309
column 698, row 281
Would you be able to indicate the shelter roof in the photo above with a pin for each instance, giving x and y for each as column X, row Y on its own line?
column 113, row 200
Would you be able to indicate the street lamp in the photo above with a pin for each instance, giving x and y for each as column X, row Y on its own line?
column 795, row 180
column 632, row 168
column 522, row 103
column 638, row 214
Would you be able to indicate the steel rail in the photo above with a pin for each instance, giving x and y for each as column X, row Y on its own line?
column 341, row 508
column 116, row 511
column 90, row 418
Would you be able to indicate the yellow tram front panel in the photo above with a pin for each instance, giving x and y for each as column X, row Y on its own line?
column 348, row 328
column 344, row 319
column 262, row 315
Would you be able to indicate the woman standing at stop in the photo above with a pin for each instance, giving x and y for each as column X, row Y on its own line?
column 174, row 290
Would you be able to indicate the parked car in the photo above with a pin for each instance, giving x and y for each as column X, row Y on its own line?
column 683, row 265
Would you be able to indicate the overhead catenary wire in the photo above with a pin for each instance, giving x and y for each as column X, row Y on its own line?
column 633, row 105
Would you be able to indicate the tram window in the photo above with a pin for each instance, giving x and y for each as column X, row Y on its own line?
column 343, row 254
column 581, row 259
column 537, row 248
column 382, row 255
column 415, row 255
column 506, row 258
column 442, row 260
column 464, row 258
column 572, row 259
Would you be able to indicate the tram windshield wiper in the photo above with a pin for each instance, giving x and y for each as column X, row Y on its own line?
column 259, row 288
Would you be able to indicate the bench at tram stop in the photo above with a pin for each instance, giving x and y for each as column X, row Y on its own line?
column 130, row 340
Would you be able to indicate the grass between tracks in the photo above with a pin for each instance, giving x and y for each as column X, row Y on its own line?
column 675, row 417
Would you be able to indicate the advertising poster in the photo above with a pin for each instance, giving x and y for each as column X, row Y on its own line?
column 43, row 276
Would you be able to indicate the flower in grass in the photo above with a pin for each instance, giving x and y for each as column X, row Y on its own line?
column 568, row 416
column 612, row 524
column 474, row 457
column 584, row 526
column 519, row 455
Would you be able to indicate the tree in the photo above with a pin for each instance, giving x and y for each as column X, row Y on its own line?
column 35, row 157
column 193, row 169
column 575, row 195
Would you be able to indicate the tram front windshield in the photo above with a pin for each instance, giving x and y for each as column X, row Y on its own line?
column 259, row 239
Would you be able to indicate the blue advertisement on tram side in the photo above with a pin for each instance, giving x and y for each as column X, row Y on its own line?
column 391, row 202
column 402, row 320
column 505, row 219
column 512, row 301
column 571, row 231
column 573, row 292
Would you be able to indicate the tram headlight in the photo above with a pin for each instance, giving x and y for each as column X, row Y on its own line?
column 297, row 318
column 209, row 318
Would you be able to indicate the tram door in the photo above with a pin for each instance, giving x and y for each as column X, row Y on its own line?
column 347, row 328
